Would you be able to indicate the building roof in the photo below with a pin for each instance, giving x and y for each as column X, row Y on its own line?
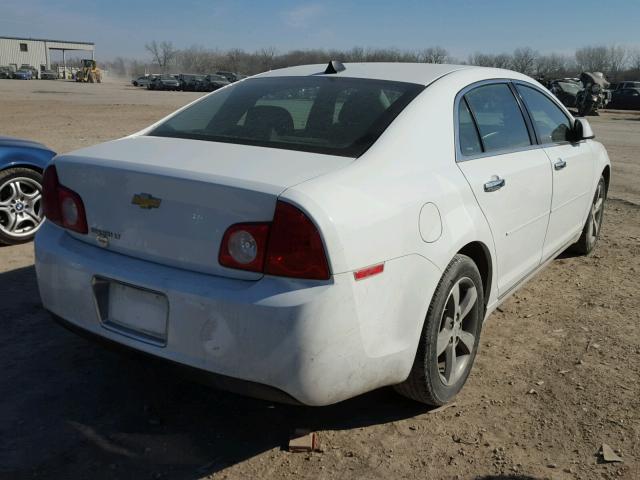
column 47, row 40
column 421, row 73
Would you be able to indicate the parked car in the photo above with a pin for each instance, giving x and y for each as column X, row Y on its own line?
column 312, row 248
column 191, row 82
column 566, row 91
column 23, row 75
column 623, row 85
column 164, row 82
column 34, row 71
column 214, row 82
column 230, row 76
column 48, row 75
column 21, row 165
column 5, row 72
column 142, row 80
column 625, row 99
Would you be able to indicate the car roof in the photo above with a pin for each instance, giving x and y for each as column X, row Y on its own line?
column 420, row 73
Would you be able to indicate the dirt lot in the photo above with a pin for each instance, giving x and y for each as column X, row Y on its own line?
column 557, row 374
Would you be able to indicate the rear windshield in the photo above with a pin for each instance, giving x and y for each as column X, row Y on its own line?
column 337, row 116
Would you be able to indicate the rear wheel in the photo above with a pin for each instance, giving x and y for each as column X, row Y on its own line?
column 450, row 336
column 593, row 225
column 20, row 204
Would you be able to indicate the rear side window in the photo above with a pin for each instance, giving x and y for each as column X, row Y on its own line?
column 498, row 117
column 551, row 124
column 467, row 132
column 332, row 115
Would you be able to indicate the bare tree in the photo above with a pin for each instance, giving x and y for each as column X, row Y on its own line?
column 552, row 65
column 524, row 60
column 481, row 59
column 234, row 59
column 266, row 57
column 593, row 59
column 198, row 60
column 163, row 53
column 434, row 55
column 356, row 54
column 502, row 60
column 617, row 60
column 634, row 59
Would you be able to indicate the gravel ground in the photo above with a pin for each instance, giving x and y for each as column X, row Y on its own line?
column 556, row 376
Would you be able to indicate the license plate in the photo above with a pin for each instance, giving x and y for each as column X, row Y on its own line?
column 132, row 311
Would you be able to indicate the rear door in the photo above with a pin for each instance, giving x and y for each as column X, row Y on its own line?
column 572, row 166
column 509, row 175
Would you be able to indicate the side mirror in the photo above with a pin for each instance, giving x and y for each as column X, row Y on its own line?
column 582, row 130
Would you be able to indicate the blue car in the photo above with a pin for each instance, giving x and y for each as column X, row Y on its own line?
column 21, row 165
column 23, row 75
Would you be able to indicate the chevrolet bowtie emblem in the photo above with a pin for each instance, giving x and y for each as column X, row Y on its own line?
column 146, row 201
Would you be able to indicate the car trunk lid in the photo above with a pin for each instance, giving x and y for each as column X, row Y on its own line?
column 170, row 200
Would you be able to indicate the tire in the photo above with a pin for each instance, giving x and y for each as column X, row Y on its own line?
column 593, row 225
column 135, row 84
column 20, row 205
column 431, row 380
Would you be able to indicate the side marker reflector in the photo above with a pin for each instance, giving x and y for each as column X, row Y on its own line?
column 368, row 271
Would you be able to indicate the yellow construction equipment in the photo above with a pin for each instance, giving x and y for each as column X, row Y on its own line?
column 89, row 72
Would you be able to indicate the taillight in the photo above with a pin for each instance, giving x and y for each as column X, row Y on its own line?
column 62, row 205
column 50, row 203
column 290, row 246
column 244, row 246
column 295, row 247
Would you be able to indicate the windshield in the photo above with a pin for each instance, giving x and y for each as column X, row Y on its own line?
column 338, row 116
column 570, row 87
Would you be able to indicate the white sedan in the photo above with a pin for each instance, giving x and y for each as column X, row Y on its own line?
column 316, row 232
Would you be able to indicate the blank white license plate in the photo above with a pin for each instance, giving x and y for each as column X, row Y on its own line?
column 137, row 310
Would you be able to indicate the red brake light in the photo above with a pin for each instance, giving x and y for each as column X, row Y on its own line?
column 50, row 204
column 295, row 248
column 62, row 205
column 290, row 246
column 244, row 245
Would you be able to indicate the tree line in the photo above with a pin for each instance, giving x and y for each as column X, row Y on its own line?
column 616, row 62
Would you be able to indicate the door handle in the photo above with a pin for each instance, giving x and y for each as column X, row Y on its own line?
column 559, row 164
column 496, row 183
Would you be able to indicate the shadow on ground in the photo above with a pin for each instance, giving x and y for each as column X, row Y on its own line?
column 75, row 410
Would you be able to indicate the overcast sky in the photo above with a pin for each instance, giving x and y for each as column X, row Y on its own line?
column 122, row 27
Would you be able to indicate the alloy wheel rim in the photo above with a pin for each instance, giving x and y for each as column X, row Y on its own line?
column 457, row 332
column 20, row 207
column 595, row 214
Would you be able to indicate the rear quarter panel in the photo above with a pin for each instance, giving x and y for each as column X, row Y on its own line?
column 369, row 211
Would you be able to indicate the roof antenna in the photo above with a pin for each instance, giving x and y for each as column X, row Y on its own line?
column 334, row 67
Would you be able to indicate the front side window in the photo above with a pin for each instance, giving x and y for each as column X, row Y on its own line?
column 498, row 117
column 551, row 124
column 332, row 115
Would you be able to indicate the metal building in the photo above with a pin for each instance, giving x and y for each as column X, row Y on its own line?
column 36, row 52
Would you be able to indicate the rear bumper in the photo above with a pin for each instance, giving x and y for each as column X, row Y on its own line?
column 318, row 342
column 241, row 387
